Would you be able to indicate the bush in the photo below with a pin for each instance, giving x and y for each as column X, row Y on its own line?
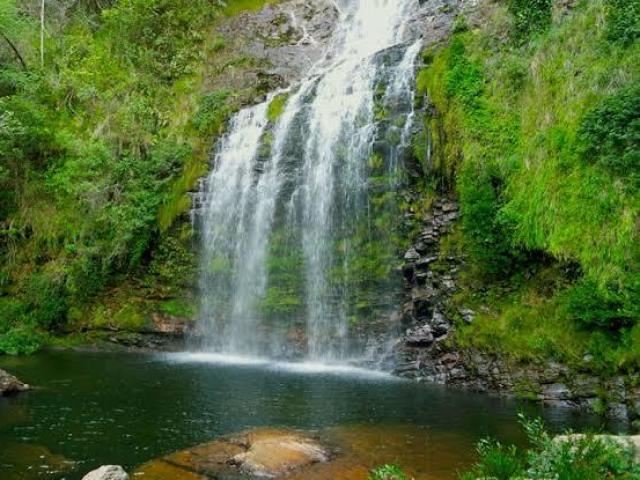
column 530, row 16
column 610, row 134
column 488, row 233
column 47, row 303
column 388, row 472
column 593, row 306
column 623, row 21
column 584, row 458
column 23, row 340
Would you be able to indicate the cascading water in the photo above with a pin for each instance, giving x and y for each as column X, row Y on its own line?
column 297, row 217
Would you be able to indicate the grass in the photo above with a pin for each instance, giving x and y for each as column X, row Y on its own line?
column 235, row 7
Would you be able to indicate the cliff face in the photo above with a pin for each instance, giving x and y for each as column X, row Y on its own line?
column 531, row 108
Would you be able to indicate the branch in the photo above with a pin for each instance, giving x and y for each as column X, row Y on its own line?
column 15, row 50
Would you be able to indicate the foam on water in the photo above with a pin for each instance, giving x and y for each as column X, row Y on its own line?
column 310, row 368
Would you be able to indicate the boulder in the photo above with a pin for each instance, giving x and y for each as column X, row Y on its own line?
column 259, row 453
column 419, row 337
column 10, row 384
column 107, row 472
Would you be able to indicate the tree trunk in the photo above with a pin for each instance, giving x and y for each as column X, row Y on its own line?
column 42, row 34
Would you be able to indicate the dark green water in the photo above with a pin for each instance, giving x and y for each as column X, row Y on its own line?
column 102, row 408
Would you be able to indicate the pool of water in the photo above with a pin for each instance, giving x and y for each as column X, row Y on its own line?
column 89, row 409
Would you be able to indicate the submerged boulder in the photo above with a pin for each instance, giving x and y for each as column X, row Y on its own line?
column 260, row 453
column 107, row 472
column 10, row 384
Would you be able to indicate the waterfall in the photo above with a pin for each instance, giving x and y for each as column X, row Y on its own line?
column 297, row 215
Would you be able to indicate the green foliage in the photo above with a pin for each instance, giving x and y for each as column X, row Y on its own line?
column 530, row 16
column 276, row 107
column 610, row 134
column 22, row 340
column 388, row 472
column 623, row 21
column 47, row 302
column 212, row 113
column 594, row 307
column 584, row 457
column 543, row 141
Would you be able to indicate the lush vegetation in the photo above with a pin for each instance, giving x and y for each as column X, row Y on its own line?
column 585, row 457
column 101, row 139
column 540, row 130
column 579, row 457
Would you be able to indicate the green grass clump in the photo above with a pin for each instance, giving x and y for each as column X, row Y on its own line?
column 235, row 7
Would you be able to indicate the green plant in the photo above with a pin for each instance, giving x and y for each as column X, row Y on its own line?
column 582, row 457
column 609, row 135
column 530, row 16
column 388, row 472
column 623, row 21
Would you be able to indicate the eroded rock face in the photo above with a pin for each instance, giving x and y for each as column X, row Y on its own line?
column 261, row 453
column 107, row 472
column 10, row 384
column 288, row 38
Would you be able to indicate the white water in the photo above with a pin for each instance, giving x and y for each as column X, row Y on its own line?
column 284, row 202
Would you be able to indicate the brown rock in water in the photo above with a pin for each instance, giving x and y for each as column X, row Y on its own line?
column 261, row 453
column 10, row 384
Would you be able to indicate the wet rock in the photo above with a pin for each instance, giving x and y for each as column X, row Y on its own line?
column 108, row 472
column 260, row 453
column 412, row 255
column 10, row 384
column 419, row 336
column 278, row 453
column 169, row 324
column 556, row 391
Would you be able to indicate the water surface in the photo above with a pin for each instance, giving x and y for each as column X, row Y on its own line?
column 108, row 408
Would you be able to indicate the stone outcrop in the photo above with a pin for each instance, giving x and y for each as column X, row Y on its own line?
column 260, row 453
column 429, row 318
column 10, row 385
column 107, row 472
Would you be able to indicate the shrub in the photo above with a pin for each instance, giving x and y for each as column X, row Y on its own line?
column 530, row 16
column 583, row 458
column 388, row 472
column 47, row 303
column 623, row 21
column 610, row 134
column 23, row 340
column 593, row 306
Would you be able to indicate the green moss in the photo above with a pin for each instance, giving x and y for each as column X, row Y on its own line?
column 178, row 308
column 276, row 107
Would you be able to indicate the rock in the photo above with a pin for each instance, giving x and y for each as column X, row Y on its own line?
column 108, row 472
column 467, row 315
column 412, row 255
column 260, row 453
column 554, row 392
column 275, row 455
column 10, row 384
column 419, row 337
